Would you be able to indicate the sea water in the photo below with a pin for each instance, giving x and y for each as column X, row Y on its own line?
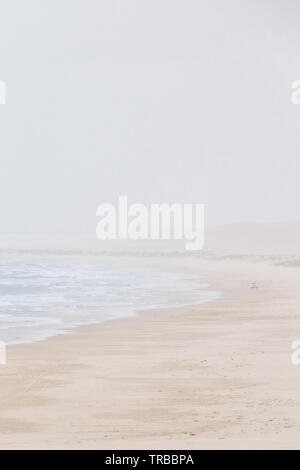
column 43, row 298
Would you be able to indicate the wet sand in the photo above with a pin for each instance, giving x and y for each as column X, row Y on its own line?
column 212, row 376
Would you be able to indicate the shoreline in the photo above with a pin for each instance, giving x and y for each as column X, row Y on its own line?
column 216, row 375
column 101, row 291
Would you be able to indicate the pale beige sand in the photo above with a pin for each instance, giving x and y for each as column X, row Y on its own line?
column 212, row 376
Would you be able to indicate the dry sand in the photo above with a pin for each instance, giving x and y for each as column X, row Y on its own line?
column 213, row 376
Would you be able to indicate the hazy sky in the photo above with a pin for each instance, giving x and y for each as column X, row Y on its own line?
column 160, row 100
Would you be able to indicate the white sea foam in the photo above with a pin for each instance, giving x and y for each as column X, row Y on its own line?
column 42, row 299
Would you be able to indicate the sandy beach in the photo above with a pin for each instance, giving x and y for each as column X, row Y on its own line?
column 150, row 225
column 211, row 376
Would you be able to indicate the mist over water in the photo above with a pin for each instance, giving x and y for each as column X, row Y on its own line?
column 39, row 298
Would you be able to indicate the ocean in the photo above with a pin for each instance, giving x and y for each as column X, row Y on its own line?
column 40, row 298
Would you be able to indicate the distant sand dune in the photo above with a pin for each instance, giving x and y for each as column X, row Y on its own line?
column 235, row 239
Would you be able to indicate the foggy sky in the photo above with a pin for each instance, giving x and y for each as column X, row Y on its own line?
column 161, row 100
